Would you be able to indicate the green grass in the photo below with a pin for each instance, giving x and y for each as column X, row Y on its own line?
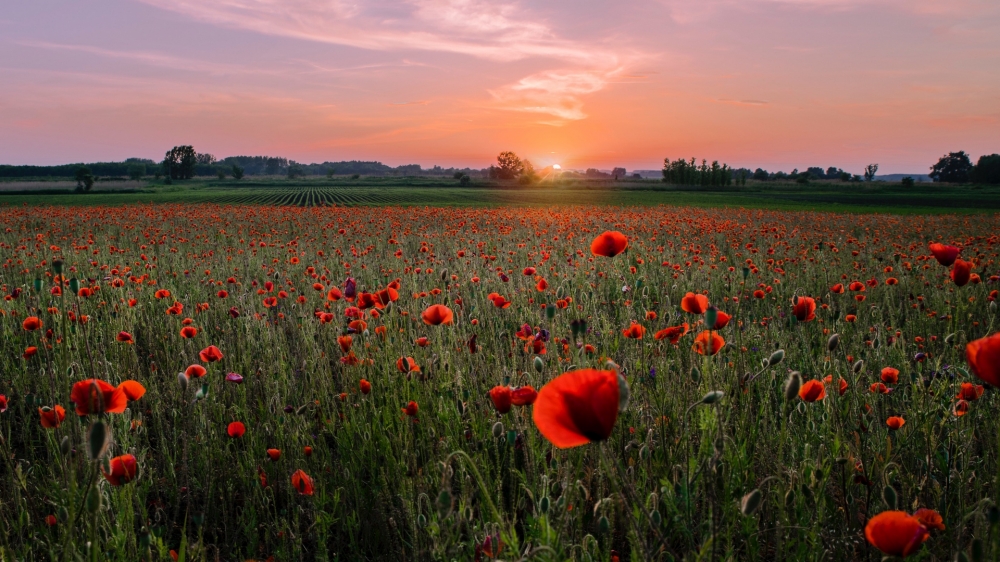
column 828, row 196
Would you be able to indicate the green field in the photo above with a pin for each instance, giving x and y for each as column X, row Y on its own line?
column 879, row 197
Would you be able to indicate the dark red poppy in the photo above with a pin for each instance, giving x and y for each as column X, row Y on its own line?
column 3, row 403
column 236, row 429
column 52, row 417
column 31, row 324
column 890, row 375
column 578, row 407
column 93, row 396
column 843, row 384
column 188, row 332
column 983, row 356
column 124, row 337
column 673, row 333
column 838, row 289
column 804, row 309
column 302, row 483
column 961, row 272
column 695, row 304
column 523, row 395
column 411, row 409
column 635, row 331
column 274, row 454
column 195, row 371
column 896, row 533
column 721, row 320
column 895, row 422
column 702, row 345
column 366, row 387
column 609, row 244
column 930, row 518
column 210, row 354
column 812, row 390
column 123, row 470
column 437, row 314
column 502, row 398
column 945, row 255
column 970, row 392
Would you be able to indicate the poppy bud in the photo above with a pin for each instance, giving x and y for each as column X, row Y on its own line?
column 776, row 358
column 444, row 503
column 543, row 505
column 74, row 285
column 792, row 386
column 497, row 429
column 550, row 311
column 858, row 365
column 750, row 502
column 889, row 496
column 57, row 266
column 695, row 374
column 746, row 272
column 712, row 397
column 833, row 342
column 604, row 525
column 98, row 440
column 65, row 446
column 711, row 315
column 93, row 500
column 539, row 364
column 182, row 379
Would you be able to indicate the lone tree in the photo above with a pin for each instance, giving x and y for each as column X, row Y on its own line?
column 84, row 179
column 509, row 166
column 179, row 163
column 870, row 170
column 952, row 167
column 237, row 172
column 987, row 169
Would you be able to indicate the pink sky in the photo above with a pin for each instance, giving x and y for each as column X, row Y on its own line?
column 582, row 83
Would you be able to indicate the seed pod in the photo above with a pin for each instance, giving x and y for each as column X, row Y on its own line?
column 98, row 440
column 183, row 380
column 543, row 505
column 750, row 502
column 833, row 342
column 712, row 397
column 711, row 315
column 539, row 364
column 792, row 386
column 858, row 365
column 776, row 358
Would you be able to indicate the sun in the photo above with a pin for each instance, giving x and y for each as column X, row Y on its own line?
column 556, row 167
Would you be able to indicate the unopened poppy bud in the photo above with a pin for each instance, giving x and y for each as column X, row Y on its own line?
column 74, row 285
column 790, row 497
column 711, row 316
column 98, row 440
column 993, row 306
column 93, row 499
column 57, row 266
column 833, row 342
column 712, row 397
column 300, row 410
column 656, row 517
column 792, row 386
column 604, row 525
column 776, row 358
column 750, row 502
column 444, row 503
column 65, row 446
column 858, row 365
column 695, row 374
column 746, row 272
column 543, row 505
column 497, row 429
column 183, row 380
column 539, row 364
column 550, row 311
column 889, row 497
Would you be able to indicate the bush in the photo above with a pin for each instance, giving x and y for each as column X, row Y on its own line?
column 987, row 169
column 907, row 182
column 464, row 180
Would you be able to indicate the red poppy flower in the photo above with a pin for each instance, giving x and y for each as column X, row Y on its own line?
column 578, row 407
column 411, row 409
column 31, row 323
column 890, row 375
column 878, row 388
column 961, row 408
column 523, row 395
column 895, row 422
column 961, row 272
column 195, row 371
column 210, row 354
column 857, row 286
column 970, row 392
column 635, row 331
column 123, row 470
column 3, row 403
column 302, row 483
column 236, row 429
column 30, row 352
column 501, row 397
column 804, row 309
column 930, row 518
column 812, row 390
column 673, row 333
column 188, row 332
column 366, row 387
column 896, row 533
column 609, row 244
column 345, row 343
column 983, row 356
column 701, row 343
column 124, row 337
column 407, row 365
column 274, row 454
column 93, row 396
column 843, row 384
column 838, row 289
column 721, row 320
column 528, row 271
column 162, row 294
column 334, row 294
column 945, row 255
column 695, row 304
column 52, row 417
column 437, row 314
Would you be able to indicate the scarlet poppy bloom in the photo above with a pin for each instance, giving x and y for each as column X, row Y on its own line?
column 890, row 375
column 896, row 533
column 634, row 331
column 188, row 332
column 609, row 244
column 673, row 333
column 52, row 417
column 961, row 272
column 843, row 384
column 838, row 289
column 523, row 395
column 274, row 454
column 162, row 294
column 702, row 346
column 366, row 387
column 983, row 356
column 930, row 518
column 210, row 354
column 407, row 365
column 721, row 320
column 345, row 343
column 502, row 399
column 970, row 392
column 878, row 388
column 892, row 281
column 93, row 396
column 195, row 371
column 236, row 429
column 437, row 314
column 804, row 309
column 29, row 352
column 31, row 324
column 411, row 409
column 423, row 341
column 961, row 408
column 500, row 301
column 222, row 294
column 578, row 407
column 758, row 294
column 695, row 304
column 3, row 403
column 302, row 483
column 945, row 255
column 124, row 337
column 123, row 470
column 895, row 422
column 857, row 286
column 334, row 294
column 812, row 390
column 528, row 271
column 307, row 451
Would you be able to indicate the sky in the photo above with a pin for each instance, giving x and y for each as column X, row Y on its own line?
column 778, row 84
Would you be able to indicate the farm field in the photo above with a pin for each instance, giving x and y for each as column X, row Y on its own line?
column 825, row 196
column 259, row 374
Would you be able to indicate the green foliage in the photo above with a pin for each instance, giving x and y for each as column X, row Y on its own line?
column 136, row 171
column 954, row 167
column 987, row 170
column 237, row 172
column 907, row 182
column 681, row 172
column 179, row 163
column 84, row 179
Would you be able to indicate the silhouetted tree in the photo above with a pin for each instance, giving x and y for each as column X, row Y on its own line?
column 907, row 182
column 179, row 162
column 987, row 169
column 205, row 159
column 237, row 172
column 509, row 166
column 136, row 171
column 84, row 179
column 952, row 167
column 870, row 170
column 760, row 174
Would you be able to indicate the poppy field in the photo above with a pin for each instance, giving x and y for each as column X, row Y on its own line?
column 255, row 382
